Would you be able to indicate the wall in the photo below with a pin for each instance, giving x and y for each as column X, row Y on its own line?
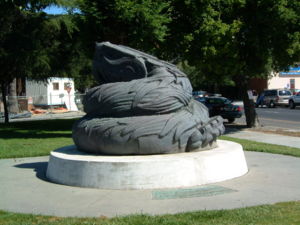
column 258, row 84
column 284, row 81
column 58, row 96
column 52, row 92
column 37, row 91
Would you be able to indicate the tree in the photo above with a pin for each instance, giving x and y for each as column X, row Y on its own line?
column 235, row 39
column 138, row 24
column 14, row 45
column 28, row 42
column 72, row 59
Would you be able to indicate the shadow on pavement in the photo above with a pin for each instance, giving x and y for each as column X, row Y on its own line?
column 233, row 128
column 39, row 168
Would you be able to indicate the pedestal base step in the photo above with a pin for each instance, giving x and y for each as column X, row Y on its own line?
column 69, row 166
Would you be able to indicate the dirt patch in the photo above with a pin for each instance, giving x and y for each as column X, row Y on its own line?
column 277, row 131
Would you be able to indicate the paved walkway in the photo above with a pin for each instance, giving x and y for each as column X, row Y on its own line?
column 271, row 178
column 50, row 116
column 264, row 137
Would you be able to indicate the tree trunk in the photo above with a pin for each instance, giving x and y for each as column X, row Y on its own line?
column 250, row 112
column 12, row 97
column 4, row 91
column 249, row 105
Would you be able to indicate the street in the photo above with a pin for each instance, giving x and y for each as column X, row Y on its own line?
column 281, row 117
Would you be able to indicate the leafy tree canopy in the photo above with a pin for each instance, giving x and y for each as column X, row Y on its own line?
column 234, row 40
column 217, row 40
column 140, row 24
column 29, row 39
column 31, row 42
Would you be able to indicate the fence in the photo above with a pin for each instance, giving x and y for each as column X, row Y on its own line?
column 42, row 104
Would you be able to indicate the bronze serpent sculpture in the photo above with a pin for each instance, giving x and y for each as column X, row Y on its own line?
column 143, row 106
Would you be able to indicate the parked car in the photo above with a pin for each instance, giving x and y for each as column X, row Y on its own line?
column 276, row 97
column 199, row 93
column 221, row 106
column 294, row 101
column 294, row 91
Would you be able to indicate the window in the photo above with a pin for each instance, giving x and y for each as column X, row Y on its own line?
column 284, row 93
column 292, row 83
column 215, row 101
column 66, row 86
column 55, row 86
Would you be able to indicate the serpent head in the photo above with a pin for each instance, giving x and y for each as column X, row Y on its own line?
column 117, row 63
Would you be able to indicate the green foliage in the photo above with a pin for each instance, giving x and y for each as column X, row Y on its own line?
column 140, row 24
column 29, row 40
column 201, row 81
column 148, row 17
column 219, row 42
column 234, row 40
column 36, row 45
column 237, row 39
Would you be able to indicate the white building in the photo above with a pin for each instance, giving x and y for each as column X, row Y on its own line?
column 55, row 91
column 289, row 79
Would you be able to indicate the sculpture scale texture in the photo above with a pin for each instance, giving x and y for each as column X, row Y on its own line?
column 143, row 106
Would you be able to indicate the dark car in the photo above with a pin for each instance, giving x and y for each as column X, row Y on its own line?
column 221, row 106
column 199, row 94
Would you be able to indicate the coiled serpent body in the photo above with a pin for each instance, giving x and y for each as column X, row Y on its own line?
column 143, row 106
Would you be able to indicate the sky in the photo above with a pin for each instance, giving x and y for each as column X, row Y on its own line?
column 55, row 10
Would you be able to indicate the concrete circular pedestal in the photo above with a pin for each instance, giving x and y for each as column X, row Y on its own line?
column 71, row 167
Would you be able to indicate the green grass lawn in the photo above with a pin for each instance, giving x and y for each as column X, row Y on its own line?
column 262, row 147
column 38, row 138
column 287, row 213
column 34, row 138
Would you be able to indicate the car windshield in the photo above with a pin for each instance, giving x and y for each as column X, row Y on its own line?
column 227, row 101
column 285, row 93
column 195, row 93
column 200, row 99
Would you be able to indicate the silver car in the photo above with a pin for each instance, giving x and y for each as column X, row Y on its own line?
column 294, row 100
column 276, row 97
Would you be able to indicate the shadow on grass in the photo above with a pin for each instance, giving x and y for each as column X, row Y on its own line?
column 39, row 168
column 13, row 134
column 41, row 125
column 37, row 129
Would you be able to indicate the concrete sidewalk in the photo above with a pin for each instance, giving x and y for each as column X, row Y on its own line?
column 49, row 116
column 264, row 137
column 271, row 178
